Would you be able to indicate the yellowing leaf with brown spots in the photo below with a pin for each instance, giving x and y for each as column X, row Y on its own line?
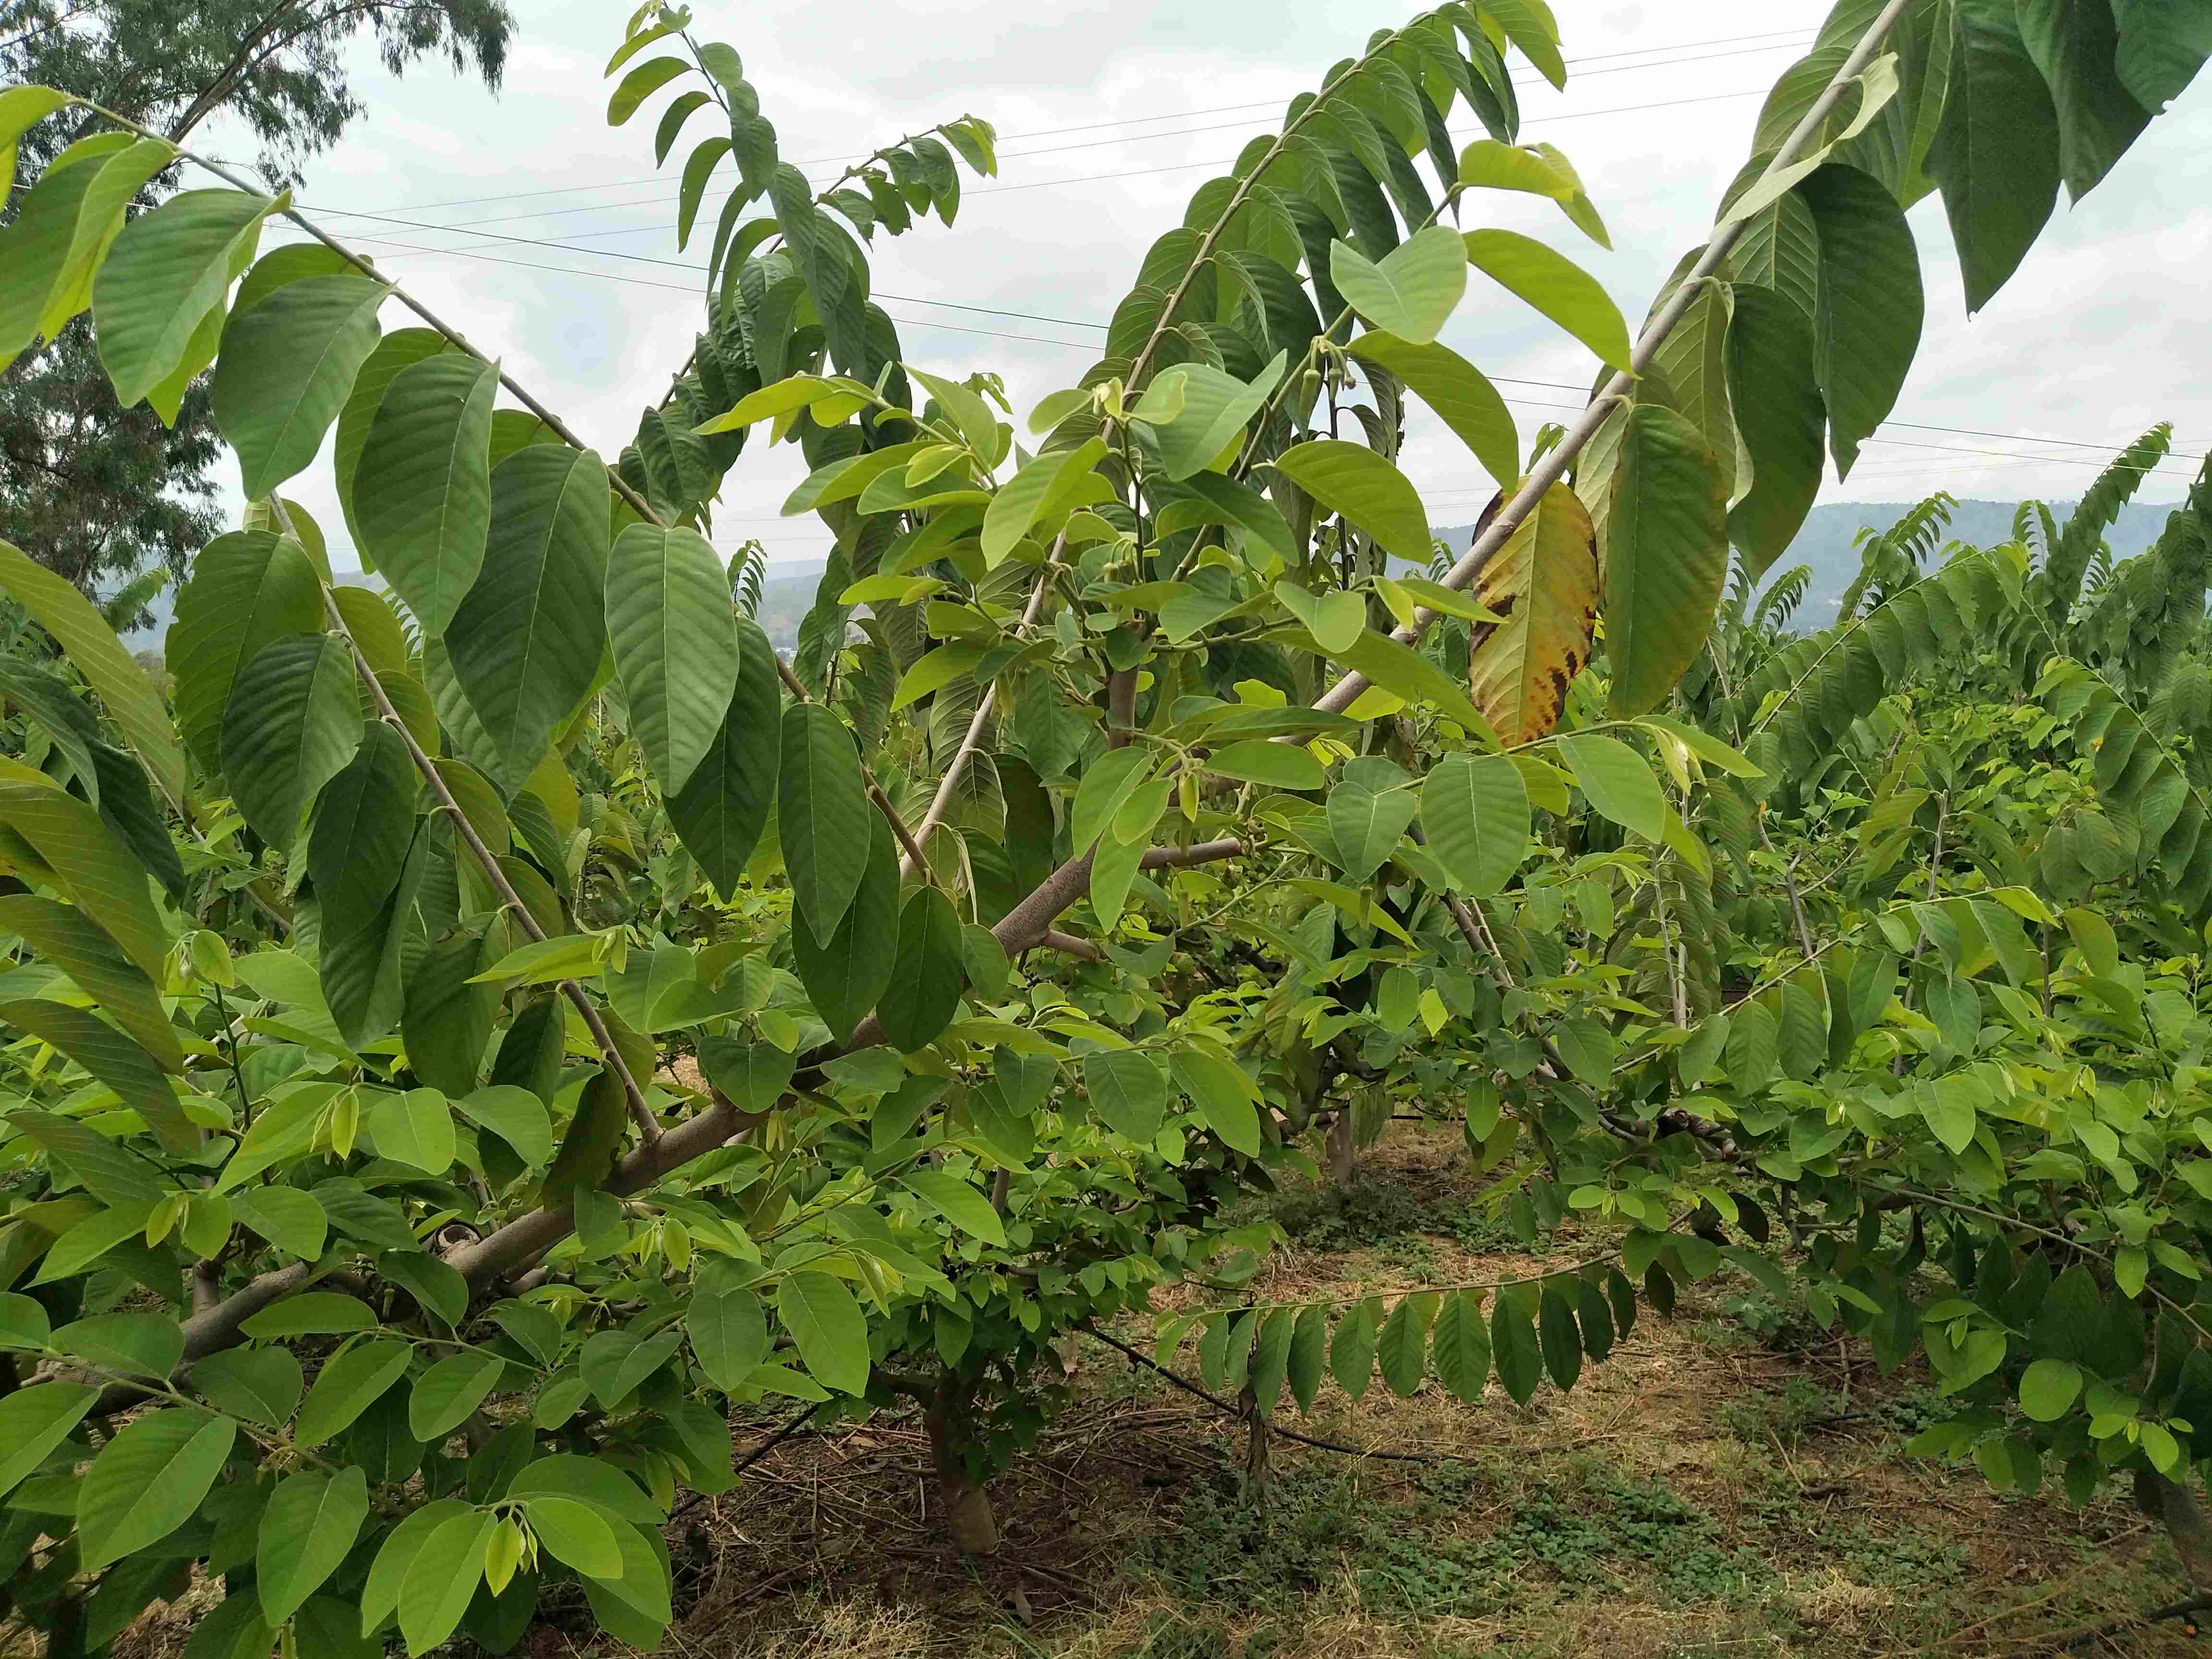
column 1544, row 583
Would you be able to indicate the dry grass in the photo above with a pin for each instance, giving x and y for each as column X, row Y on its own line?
column 1703, row 1493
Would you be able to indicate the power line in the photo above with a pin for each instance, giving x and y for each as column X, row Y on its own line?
column 1778, row 35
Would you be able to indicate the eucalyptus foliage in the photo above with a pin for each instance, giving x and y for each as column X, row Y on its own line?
column 468, row 1040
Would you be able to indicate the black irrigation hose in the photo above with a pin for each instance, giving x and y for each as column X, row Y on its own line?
column 757, row 1454
column 2195, row 1604
column 1233, row 1410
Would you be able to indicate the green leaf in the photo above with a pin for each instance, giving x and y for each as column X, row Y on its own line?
column 1665, row 557
column 1476, row 809
column 420, row 495
column 577, row 1532
column 379, row 1595
column 94, row 652
column 1619, row 783
column 1015, row 506
column 247, row 589
column 445, row 1394
column 968, row 1210
column 515, row 1115
column 2074, row 44
column 1365, row 822
column 290, row 1219
column 1402, row 1347
column 1412, row 291
column 348, row 1386
column 285, row 368
column 1351, row 1356
column 96, row 872
column 1335, row 618
column 1221, row 1094
column 676, row 645
column 1105, row 787
column 72, row 941
column 1513, row 1345
column 443, row 1578
column 526, row 642
column 929, row 974
column 1353, row 480
column 33, row 1421
column 2048, row 1387
column 311, row 1312
column 641, row 83
column 1216, row 408
column 167, row 271
column 447, row 1020
column 1308, row 1357
column 825, row 1324
column 292, row 722
column 262, row 1385
column 1560, row 1335
column 416, row 1128
column 2163, row 45
column 721, row 810
column 1556, row 286
column 147, row 1481
column 822, row 814
column 1997, row 154
column 112, row 1057
column 1283, row 766
column 1779, row 416
column 1127, row 1090
column 306, row 1530
column 1458, row 393
column 1399, row 669
column 1459, row 1346
column 1870, row 303
column 729, row 1334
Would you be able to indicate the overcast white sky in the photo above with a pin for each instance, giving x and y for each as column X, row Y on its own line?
column 1111, row 114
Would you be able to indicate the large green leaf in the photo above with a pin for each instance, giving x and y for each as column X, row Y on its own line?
column 1666, row 556
column 958, row 1202
column 348, row 1386
column 1543, row 582
column 2074, row 44
column 1689, row 375
column 167, row 271
column 1780, row 418
column 1216, row 408
column 928, row 975
column 1996, row 153
column 1870, row 308
column 310, row 1524
column 92, row 647
column 421, row 499
column 284, row 371
column 721, row 811
column 397, row 350
column 96, row 871
column 1619, row 784
column 825, row 1322
column 416, row 1128
column 1367, row 815
column 147, row 1481
column 448, row 1018
column 525, row 644
column 848, row 977
column 729, row 1334
column 822, row 815
column 1127, row 1090
column 443, row 1578
column 247, row 589
column 669, row 614
column 292, row 722
column 1221, row 1094
column 2163, row 43
column 72, row 941
column 1353, row 480
column 1458, row 393
column 53, row 226
column 1476, row 809
column 35, row 1420
column 444, row 1396
column 1556, row 286
column 1412, row 290
column 364, row 824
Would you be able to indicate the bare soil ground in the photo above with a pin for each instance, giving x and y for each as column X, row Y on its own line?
column 1731, row 1482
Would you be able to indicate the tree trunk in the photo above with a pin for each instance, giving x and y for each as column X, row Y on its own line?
column 2174, row 1504
column 968, row 1522
column 1343, row 1161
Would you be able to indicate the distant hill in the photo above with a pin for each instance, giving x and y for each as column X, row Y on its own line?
column 1824, row 542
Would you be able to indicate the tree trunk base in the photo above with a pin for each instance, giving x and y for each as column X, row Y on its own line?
column 1343, row 1159
column 968, row 1522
